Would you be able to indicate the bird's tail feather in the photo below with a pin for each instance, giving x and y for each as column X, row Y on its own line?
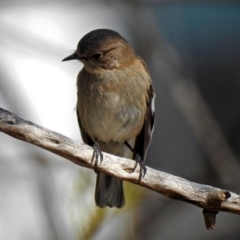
column 109, row 191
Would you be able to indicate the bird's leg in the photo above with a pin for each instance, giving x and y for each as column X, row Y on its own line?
column 139, row 161
column 97, row 153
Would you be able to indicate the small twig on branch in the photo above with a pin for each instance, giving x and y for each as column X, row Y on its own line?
column 211, row 199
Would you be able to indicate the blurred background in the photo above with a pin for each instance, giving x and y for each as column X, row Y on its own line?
column 192, row 51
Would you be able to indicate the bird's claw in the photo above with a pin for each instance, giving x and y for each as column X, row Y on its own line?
column 97, row 154
column 143, row 169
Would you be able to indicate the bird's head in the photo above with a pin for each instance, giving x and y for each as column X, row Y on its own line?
column 103, row 49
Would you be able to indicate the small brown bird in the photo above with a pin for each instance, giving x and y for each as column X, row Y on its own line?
column 115, row 106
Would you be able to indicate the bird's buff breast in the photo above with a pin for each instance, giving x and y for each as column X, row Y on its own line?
column 108, row 114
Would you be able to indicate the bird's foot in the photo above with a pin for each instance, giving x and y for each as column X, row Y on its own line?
column 143, row 169
column 97, row 154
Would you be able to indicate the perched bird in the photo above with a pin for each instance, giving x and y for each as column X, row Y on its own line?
column 115, row 105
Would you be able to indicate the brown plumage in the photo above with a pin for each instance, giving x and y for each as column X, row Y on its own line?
column 115, row 104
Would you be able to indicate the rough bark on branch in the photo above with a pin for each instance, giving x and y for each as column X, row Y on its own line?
column 211, row 199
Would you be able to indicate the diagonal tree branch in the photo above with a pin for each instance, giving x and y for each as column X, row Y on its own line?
column 211, row 199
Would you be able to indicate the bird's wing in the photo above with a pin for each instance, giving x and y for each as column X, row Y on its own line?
column 85, row 137
column 143, row 139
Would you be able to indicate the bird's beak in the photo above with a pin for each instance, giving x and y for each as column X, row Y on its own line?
column 74, row 56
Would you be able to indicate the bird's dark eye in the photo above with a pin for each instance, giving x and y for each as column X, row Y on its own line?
column 97, row 55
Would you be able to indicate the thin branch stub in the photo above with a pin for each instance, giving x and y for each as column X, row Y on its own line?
column 210, row 219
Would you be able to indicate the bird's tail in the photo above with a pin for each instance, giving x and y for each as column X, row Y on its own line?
column 109, row 191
